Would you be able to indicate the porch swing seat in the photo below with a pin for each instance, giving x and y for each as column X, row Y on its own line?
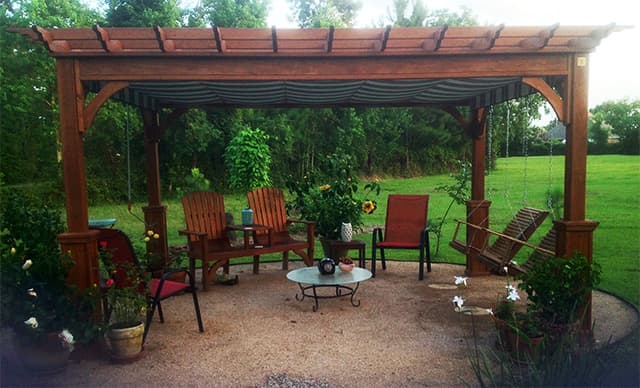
column 546, row 249
column 508, row 243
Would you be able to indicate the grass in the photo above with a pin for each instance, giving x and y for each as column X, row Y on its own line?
column 613, row 184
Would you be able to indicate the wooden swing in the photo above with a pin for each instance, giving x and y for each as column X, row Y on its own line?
column 501, row 252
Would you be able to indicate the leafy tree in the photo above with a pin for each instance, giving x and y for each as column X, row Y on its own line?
column 415, row 13
column 143, row 13
column 230, row 13
column 325, row 13
column 248, row 159
column 623, row 117
column 28, row 96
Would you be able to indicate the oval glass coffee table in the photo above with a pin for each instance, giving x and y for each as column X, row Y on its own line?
column 310, row 280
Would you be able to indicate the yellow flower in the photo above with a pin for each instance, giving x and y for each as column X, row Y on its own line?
column 13, row 250
column 150, row 232
column 156, row 236
column 147, row 239
column 27, row 264
column 368, row 207
column 325, row 187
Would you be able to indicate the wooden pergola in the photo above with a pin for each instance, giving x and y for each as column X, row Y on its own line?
column 447, row 67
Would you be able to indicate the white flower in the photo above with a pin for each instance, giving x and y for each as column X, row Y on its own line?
column 458, row 301
column 506, row 269
column 490, row 311
column 460, row 280
column 67, row 339
column 33, row 322
column 513, row 295
column 510, row 288
column 27, row 264
column 32, row 292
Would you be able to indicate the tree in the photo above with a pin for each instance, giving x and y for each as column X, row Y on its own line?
column 230, row 13
column 623, row 117
column 325, row 13
column 143, row 13
column 419, row 15
column 28, row 96
column 248, row 159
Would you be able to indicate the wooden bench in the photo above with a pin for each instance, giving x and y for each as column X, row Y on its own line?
column 208, row 240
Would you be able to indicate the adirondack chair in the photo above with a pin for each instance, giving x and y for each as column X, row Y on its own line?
column 207, row 237
column 507, row 244
column 405, row 228
column 269, row 209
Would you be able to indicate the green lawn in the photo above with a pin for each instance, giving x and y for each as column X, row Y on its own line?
column 613, row 184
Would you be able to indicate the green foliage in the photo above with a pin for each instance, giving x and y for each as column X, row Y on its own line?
column 555, row 202
column 230, row 13
column 143, row 13
column 459, row 194
column 195, row 182
column 36, row 299
column 419, row 15
column 248, row 159
column 325, row 13
column 557, row 286
column 329, row 197
column 622, row 118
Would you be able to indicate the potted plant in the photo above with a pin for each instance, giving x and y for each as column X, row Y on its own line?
column 558, row 290
column 329, row 196
column 126, row 298
column 46, row 314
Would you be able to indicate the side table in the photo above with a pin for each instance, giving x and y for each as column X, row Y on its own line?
column 337, row 245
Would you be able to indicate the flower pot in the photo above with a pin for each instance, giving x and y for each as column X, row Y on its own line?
column 125, row 344
column 519, row 346
column 43, row 357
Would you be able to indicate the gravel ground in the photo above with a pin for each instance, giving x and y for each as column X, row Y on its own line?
column 405, row 333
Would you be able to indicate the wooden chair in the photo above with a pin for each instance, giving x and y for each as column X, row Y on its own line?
column 507, row 244
column 123, row 257
column 405, row 228
column 207, row 237
column 269, row 209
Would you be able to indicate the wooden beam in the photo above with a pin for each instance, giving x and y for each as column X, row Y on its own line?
column 274, row 39
column 166, row 45
column 330, row 39
column 548, row 93
column 51, row 44
column 541, row 40
column 220, row 46
column 488, row 41
column 433, row 43
column 103, row 95
column 107, row 44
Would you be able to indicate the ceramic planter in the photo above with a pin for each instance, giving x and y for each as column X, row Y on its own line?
column 125, row 344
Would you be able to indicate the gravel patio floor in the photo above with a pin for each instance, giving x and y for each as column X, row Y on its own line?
column 405, row 333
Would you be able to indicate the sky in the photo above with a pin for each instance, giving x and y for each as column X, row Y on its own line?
column 613, row 71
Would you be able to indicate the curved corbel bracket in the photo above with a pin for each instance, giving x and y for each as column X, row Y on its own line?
column 103, row 95
column 557, row 103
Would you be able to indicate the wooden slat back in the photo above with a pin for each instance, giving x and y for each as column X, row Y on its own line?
column 521, row 227
column 204, row 212
column 268, row 208
column 548, row 242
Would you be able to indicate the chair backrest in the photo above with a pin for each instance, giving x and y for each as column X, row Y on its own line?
column 269, row 209
column 117, row 247
column 521, row 227
column 204, row 212
column 548, row 242
column 406, row 217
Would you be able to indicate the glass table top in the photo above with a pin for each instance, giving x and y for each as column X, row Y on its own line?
column 312, row 275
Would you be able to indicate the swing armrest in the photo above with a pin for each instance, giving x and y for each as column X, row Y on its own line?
column 502, row 235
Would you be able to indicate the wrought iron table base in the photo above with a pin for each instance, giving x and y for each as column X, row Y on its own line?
column 339, row 293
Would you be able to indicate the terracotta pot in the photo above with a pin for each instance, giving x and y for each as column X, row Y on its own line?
column 44, row 357
column 521, row 347
column 125, row 344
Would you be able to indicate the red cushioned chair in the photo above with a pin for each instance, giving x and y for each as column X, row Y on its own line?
column 123, row 256
column 405, row 228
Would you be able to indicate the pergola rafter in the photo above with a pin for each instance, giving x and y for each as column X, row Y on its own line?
column 449, row 67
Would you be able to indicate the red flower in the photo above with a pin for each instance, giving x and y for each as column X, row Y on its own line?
column 109, row 283
column 103, row 244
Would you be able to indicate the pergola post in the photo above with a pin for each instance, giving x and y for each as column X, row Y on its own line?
column 79, row 241
column 155, row 214
column 575, row 234
column 477, row 206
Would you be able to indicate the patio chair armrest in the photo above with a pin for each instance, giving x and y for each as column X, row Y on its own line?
column 185, row 232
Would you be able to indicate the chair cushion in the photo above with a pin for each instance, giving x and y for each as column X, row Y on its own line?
column 168, row 288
